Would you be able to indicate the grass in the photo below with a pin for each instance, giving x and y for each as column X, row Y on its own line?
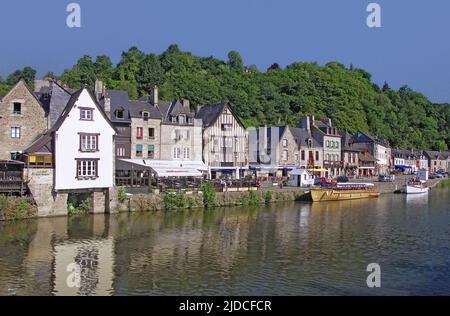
column 444, row 184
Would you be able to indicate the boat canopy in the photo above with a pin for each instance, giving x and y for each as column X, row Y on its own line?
column 402, row 167
column 354, row 185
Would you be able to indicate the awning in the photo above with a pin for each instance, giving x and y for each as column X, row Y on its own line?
column 402, row 167
column 318, row 170
column 169, row 168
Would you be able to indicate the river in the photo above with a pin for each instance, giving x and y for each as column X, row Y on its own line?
column 280, row 249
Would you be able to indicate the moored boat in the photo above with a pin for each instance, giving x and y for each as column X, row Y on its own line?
column 416, row 187
column 344, row 191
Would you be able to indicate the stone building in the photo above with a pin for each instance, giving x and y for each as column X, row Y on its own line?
column 377, row 147
column 350, row 156
column 23, row 118
column 225, row 142
column 438, row 160
column 329, row 139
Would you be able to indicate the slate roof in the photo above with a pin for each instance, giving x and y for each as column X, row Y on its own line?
column 302, row 135
column 361, row 137
column 119, row 100
column 347, row 141
column 437, row 155
column 407, row 154
column 210, row 113
column 137, row 107
column 42, row 144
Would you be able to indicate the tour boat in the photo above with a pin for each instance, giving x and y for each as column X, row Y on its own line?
column 344, row 191
column 416, row 187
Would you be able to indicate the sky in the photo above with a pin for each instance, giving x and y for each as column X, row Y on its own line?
column 412, row 47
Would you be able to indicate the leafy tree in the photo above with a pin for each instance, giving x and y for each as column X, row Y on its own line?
column 235, row 61
column 28, row 74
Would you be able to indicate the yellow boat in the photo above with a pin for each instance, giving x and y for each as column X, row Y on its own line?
column 344, row 191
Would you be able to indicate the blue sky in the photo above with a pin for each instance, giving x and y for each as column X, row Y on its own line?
column 412, row 47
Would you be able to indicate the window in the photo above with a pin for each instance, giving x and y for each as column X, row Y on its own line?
column 176, row 153
column 296, row 157
column 317, row 156
column 151, row 133
column 303, row 155
column 226, row 127
column 145, row 116
column 120, row 152
column 40, row 161
column 187, row 153
column 120, row 114
column 87, row 168
column 309, row 143
column 86, row 114
column 228, row 142
column 88, row 142
column 138, row 150
column 174, row 119
column 15, row 132
column 15, row 155
column 151, row 151
column 236, row 144
column 285, row 142
column 285, row 155
column 328, row 143
column 182, row 119
column 17, row 108
column 139, row 133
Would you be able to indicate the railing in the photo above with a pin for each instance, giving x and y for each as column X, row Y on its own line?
column 333, row 163
column 12, row 186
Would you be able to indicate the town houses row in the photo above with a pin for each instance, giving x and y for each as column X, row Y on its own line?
column 80, row 139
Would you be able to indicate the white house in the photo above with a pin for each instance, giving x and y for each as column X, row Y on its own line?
column 80, row 147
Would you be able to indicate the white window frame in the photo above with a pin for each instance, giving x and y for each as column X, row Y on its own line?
column 16, row 132
column 186, row 153
column 84, row 114
column 87, row 168
column 176, row 153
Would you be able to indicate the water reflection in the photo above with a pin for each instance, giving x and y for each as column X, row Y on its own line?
column 290, row 249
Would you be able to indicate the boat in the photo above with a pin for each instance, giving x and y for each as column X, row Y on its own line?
column 416, row 186
column 344, row 191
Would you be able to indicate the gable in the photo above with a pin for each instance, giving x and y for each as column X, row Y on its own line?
column 82, row 98
column 21, row 92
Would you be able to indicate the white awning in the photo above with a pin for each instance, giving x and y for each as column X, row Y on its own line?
column 169, row 168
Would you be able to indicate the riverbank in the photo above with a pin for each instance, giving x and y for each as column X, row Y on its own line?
column 22, row 208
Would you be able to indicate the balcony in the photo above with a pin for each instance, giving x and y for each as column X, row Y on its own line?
column 333, row 163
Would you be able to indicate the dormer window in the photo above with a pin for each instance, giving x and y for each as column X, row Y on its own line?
column 285, row 142
column 309, row 143
column 182, row 119
column 86, row 114
column 120, row 114
column 174, row 119
column 145, row 116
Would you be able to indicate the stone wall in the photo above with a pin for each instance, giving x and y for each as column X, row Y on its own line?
column 31, row 120
column 155, row 202
column 40, row 184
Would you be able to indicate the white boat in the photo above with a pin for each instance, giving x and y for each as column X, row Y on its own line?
column 416, row 187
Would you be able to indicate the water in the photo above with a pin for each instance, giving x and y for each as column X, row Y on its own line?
column 282, row 249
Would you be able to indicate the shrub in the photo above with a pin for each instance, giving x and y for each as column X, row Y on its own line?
column 268, row 197
column 252, row 199
column 122, row 195
column 174, row 201
column 209, row 195
column 82, row 209
column 14, row 208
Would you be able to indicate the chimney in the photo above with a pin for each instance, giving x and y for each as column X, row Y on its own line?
column 308, row 123
column 107, row 105
column 313, row 120
column 187, row 105
column 330, row 123
column 154, row 96
column 99, row 89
